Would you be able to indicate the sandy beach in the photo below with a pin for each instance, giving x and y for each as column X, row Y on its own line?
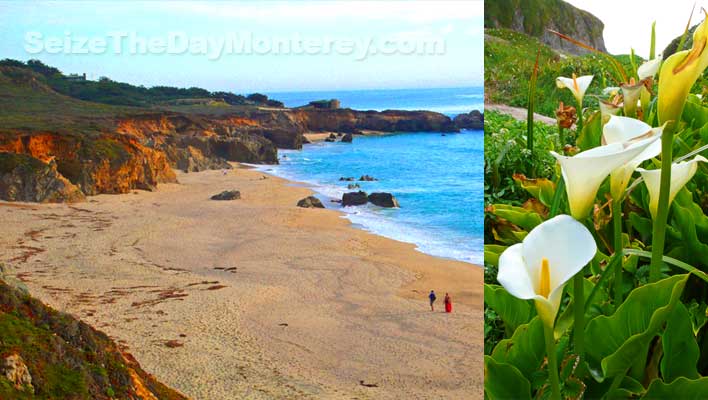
column 253, row 298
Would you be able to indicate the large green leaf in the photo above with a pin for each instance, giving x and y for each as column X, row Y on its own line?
column 541, row 189
column 525, row 350
column 592, row 132
column 518, row 216
column 688, row 218
column 694, row 113
column 618, row 340
column 513, row 311
column 504, row 381
column 492, row 253
column 682, row 388
column 681, row 351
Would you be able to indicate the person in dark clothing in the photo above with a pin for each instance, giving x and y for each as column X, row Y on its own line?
column 432, row 298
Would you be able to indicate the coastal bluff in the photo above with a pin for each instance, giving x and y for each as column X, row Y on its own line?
column 73, row 148
column 536, row 17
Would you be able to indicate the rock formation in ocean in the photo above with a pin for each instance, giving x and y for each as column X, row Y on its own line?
column 354, row 199
column 472, row 120
column 382, row 199
column 536, row 17
column 46, row 354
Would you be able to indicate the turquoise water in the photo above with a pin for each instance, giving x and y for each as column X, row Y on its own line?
column 438, row 180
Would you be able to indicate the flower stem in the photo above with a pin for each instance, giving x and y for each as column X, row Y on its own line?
column 561, row 137
column 617, row 224
column 579, row 124
column 579, row 310
column 662, row 213
column 552, row 362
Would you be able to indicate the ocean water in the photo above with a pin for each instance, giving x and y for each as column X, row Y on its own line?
column 437, row 179
column 449, row 101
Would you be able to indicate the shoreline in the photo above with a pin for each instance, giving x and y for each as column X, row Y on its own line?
column 154, row 266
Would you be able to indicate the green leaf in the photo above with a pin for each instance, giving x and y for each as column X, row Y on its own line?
column 525, row 350
column 682, row 388
column 504, row 381
column 681, row 351
column 512, row 311
column 688, row 218
column 541, row 189
column 591, row 134
column 699, row 315
column 518, row 216
column 492, row 253
column 623, row 337
column 669, row 260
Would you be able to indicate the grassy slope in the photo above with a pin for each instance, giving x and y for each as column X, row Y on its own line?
column 66, row 358
column 509, row 57
column 537, row 14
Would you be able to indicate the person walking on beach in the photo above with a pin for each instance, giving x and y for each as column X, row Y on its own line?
column 432, row 298
column 448, row 303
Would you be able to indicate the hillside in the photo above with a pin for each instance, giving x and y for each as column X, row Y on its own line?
column 57, row 147
column 46, row 354
column 509, row 58
column 535, row 17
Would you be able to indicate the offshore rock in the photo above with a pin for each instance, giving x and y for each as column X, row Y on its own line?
column 354, row 199
column 383, row 200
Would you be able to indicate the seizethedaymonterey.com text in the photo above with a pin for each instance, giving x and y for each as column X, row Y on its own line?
column 230, row 44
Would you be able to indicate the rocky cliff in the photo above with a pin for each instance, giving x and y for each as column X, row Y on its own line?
column 535, row 17
column 71, row 148
column 45, row 354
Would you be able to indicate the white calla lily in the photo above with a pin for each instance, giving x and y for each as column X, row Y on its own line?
column 538, row 268
column 583, row 173
column 649, row 68
column 631, row 93
column 623, row 129
column 577, row 85
column 608, row 109
column 610, row 90
column 681, row 173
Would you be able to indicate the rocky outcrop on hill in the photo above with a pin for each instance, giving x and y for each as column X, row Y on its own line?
column 25, row 178
column 94, row 164
column 51, row 355
column 472, row 120
column 535, row 17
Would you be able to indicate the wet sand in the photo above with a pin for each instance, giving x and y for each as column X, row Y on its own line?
column 257, row 298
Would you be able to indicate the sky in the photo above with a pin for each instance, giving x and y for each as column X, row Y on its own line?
column 628, row 22
column 254, row 46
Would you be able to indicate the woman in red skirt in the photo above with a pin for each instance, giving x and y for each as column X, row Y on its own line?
column 448, row 303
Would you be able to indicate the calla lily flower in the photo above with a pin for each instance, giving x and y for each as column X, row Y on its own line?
column 584, row 172
column 610, row 90
column 649, row 68
column 679, row 72
column 608, row 109
column 538, row 268
column 623, row 129
column 630, row 94
column 577, row 85
column 681, row 173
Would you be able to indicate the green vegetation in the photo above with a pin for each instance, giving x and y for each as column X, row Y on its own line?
column 509, row 58
column 10, row 161
column 66, row 358
column 537, row 16
column 505, row 154
column 633, row 323
column 107, row 91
